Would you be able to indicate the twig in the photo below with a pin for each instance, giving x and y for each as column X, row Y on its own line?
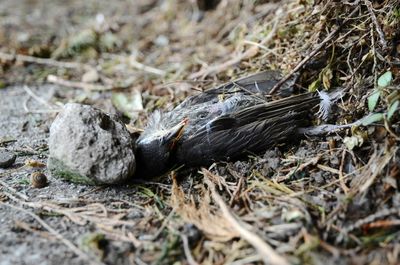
column 65, row 241
column 269, row 255
column 14, row 191
column 237, row 191
column 313, row 53
column 40, row 100
column 186, row 249
column 51, row 62
column 371, row 218
column 377, row 27
column 328, row 169
column 311, row 161
column 387, row 127
column 247, row 260
column 341, row 178
column 27, row 227
column 261, row 46
column 343, row 234
column 146, row 68
column 37, row 98
column 131, row 60
column 374, row 56
column 85, row 86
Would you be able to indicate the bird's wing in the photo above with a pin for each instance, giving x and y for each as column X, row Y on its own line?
column 230, row 142
column 295, row 104
column 252, row 129
column 265, row 111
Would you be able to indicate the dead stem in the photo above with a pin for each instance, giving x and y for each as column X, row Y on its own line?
column 50, row 62
column 377, row 26
column 81, row 85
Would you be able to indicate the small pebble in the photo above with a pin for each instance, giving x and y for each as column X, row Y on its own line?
column 6, row 158
column 38, row 180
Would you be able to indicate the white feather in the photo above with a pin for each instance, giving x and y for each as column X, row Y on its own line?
column 327, row 100
column 325, row 105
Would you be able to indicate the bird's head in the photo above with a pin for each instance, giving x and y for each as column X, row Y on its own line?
column 156, row 145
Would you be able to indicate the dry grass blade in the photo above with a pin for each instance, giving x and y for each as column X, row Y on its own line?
column 372, row 218
column 14, row 191
column 95, row 213
column 377, row 162
column 85, row 86
column 145, row 68
column 38, row 99
column 44, row 61
column 207, row 219
column 377, row 26
column 268, row 254
column 186, row 249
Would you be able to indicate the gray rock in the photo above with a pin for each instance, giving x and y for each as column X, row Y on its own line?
column 88, row 146
column 6, row 158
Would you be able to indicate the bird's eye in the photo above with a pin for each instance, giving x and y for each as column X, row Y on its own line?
column 202, row 115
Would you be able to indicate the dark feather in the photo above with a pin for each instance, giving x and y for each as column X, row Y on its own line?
column 252, row 129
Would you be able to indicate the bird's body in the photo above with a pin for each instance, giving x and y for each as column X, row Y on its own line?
column 221, row 123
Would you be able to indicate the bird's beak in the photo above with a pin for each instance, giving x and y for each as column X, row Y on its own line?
column 175, row 133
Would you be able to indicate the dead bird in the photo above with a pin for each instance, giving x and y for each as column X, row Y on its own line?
column 223, row 123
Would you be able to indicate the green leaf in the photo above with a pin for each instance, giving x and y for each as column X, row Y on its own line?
column 375, row 117
column 314, row 86
column 392, row 109
column 385, row 79
column 373, row 100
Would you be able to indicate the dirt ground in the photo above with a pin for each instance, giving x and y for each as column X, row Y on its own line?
column 328, row 199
